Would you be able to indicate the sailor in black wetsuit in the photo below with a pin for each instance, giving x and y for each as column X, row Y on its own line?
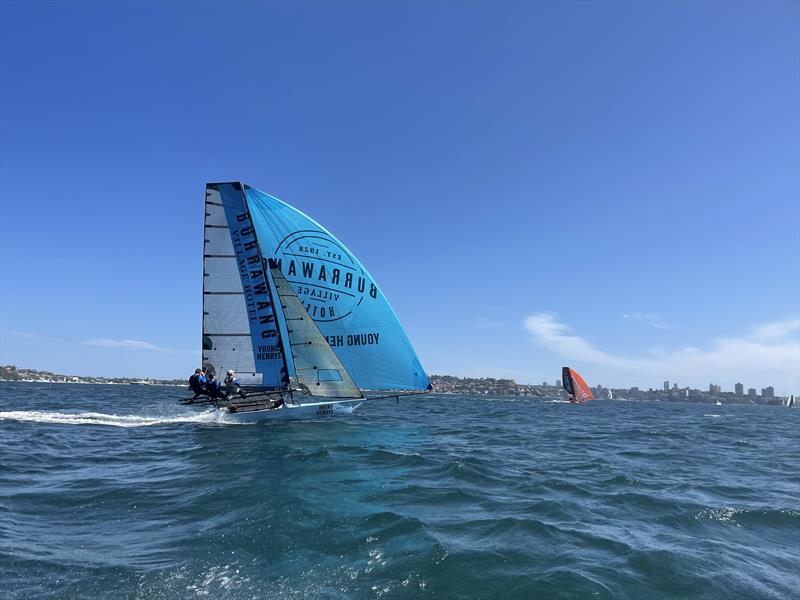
column 197, row 383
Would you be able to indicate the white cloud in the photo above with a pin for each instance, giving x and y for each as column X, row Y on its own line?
column 769, row 355
column 776, row 330
column 650, row 319
column 134, row 344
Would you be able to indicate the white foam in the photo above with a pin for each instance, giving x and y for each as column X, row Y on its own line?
column 92, row 418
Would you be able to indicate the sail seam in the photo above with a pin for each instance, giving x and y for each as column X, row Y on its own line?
column 224, row 293
column 228, row 334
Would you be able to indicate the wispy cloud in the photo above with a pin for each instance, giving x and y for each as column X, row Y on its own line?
column 484, row 323
column 650, row 319
column 772, row 331
column 769, row 354
column 133, row 344
column 25, row 334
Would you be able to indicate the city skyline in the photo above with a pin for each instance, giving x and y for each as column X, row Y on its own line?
column 600, row 185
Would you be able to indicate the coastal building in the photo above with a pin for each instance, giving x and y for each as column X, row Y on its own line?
column 666, row 386
column 751, row 393
column 768, row 392
column 739, row 389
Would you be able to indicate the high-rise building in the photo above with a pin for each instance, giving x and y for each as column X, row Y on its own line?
column 768, row 392
column 558, row 383
column 739, row 389
column 666, row 386
column 713, row 388
column 751, row 392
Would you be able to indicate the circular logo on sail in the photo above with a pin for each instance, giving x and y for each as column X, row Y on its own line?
column 328, row 280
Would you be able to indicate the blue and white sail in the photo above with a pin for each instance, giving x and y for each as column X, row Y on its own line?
column 240, row 329
column 285, row 302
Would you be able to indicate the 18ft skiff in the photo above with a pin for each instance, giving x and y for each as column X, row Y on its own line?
column 294, row 313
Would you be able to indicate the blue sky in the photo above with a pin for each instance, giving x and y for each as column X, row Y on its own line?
column 613, row 186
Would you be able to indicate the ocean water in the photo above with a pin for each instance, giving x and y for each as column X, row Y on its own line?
column 119, row 492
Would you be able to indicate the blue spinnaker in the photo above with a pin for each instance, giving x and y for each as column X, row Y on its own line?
column 339, row 294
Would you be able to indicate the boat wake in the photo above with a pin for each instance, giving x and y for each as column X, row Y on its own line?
column 93, row 418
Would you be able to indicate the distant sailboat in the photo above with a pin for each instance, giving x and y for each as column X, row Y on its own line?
column 609, row 395
column 575, row 386
column 297, row 317
column 790, row 401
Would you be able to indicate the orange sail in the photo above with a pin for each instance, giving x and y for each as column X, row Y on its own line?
column 575, row 385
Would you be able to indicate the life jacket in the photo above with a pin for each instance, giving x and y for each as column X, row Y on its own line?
column 195, row 385
column 214, row 388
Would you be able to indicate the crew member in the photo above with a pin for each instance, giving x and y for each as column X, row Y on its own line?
column 197, row 383
column 232, row 386
column 214, row 388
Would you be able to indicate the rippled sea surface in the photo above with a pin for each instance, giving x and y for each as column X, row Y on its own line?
column 117, row 491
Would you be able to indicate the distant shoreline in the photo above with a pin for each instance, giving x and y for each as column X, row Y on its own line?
column 778, row 401
column 450, row 385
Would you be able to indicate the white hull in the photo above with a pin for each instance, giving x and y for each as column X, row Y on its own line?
column 291, row 412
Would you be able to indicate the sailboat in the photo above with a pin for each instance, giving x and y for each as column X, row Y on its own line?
column 790, row 401
column 575, row 386
column 294, row 314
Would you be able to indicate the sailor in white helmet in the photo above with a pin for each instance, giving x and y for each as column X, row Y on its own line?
column 232, row 385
